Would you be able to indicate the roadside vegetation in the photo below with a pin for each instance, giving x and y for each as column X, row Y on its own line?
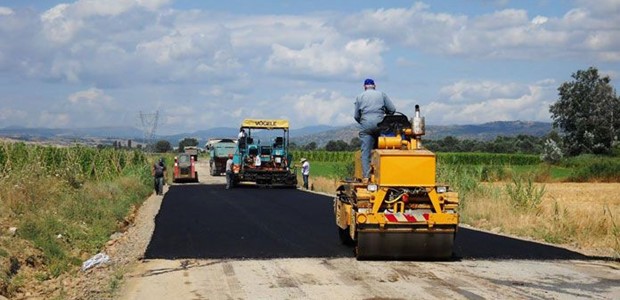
column 59, row 206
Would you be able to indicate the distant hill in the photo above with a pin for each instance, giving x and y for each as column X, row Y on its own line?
column 486, row 131
column 228, row 132
column 489, row 131
column 50, row 133
column 320, row 134
column 68, row 135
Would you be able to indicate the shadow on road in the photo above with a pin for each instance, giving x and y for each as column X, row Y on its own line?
column 208, row 221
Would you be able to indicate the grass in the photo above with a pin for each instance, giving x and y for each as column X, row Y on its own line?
column 65, row 203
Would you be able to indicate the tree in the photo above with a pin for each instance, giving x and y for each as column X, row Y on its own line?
column 163, row 146
column 551, row 152
column 587, row 113
column 310, row 146
column 338, row 145
column 191, row 142
column 355, row 144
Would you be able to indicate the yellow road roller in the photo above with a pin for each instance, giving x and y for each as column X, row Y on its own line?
column 400, row 211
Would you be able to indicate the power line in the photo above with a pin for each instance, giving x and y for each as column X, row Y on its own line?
column 149, row 125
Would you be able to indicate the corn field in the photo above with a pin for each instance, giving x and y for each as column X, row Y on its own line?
column 445, row 158
column 80, row 193
column 76, row 162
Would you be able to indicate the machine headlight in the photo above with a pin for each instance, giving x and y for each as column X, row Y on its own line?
column 278, row 159
column 372, row 187
column 441, row 189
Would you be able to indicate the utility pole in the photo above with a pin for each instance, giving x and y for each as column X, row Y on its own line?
column 149, row 126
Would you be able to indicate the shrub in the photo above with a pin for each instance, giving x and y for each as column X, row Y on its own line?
column 551, row 152
column 524, row 194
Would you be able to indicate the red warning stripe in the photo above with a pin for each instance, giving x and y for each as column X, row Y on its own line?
column 406, row 218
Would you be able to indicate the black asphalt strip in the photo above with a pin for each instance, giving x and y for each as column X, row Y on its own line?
column 208, row 221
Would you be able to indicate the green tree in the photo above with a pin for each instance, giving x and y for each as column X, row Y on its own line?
column 191, row 142
column 338, row 145
column 310, row 146
column 588, row 113
column 163, row 146
column 355, row 144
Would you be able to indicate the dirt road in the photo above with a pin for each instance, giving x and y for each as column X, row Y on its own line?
column 209, row 243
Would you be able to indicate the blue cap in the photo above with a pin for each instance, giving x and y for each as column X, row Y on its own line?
column 369, row 82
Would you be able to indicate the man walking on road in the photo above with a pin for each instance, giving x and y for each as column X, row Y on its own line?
column 305, row 171
column 159, row 176
column 229, row 172
column 370, row 108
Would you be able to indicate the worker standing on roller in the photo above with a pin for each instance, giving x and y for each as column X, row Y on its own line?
column 370, row 108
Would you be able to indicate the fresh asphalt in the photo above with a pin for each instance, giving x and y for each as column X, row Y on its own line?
column 210, row 222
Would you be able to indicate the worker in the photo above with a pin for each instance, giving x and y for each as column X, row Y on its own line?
column 229, row 172
column 159, row 176
column 370, row 108
column 305, row 171
column 241, row 133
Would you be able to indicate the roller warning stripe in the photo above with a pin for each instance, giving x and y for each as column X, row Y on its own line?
column 406, row 218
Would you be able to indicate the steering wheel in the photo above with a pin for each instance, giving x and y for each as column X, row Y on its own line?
column 393, row 122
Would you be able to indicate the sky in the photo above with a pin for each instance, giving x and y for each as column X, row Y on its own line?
column 207, row 64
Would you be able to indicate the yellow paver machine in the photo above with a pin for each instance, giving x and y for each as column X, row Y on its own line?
column 400, row 211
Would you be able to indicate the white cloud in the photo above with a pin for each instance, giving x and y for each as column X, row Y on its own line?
column 5, row 11
column 92, row 96
column 322, row 107
column 355, row 59
column 491, row 101
column 249, row 33
column 12, row 116
column 208, row 68
column 465, row 91
column 539, row 20
column 55, row 119
column 58, row 27
column 508, row 33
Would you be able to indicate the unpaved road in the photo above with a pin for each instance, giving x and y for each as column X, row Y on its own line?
column 251, row 243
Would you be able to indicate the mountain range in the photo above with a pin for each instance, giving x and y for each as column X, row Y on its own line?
column 320, row 134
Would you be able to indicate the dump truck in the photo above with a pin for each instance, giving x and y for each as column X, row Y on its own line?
column 219, row 149
column 266, row 161
column 400, row 211
column 193, row 151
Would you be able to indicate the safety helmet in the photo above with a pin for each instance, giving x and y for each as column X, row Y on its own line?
column 369, row 82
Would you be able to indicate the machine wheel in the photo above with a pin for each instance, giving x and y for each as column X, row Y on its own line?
column 345, row 238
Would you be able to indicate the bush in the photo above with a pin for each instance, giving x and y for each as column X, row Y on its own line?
column 524, row 194
column 551, row 152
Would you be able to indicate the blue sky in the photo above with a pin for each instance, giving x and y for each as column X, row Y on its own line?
column 205, row 64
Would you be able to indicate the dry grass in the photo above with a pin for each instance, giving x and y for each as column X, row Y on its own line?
column 583, row 216
column 323, row 184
